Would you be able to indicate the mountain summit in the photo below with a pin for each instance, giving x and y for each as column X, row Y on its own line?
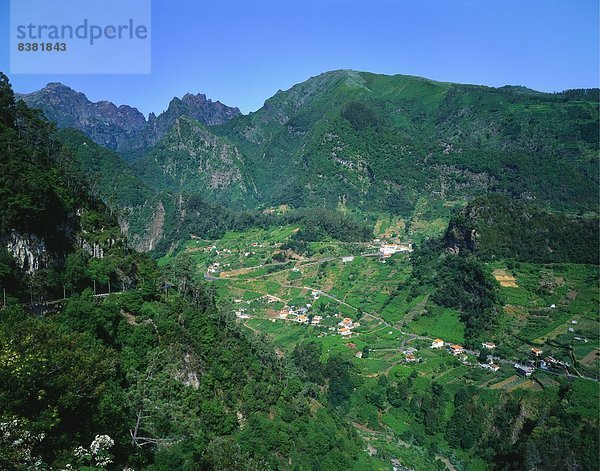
column 353, row 140
column 107, row 124
column 122, row 128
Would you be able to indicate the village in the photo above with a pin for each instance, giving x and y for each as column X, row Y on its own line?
column 324, row 296
column 347, row 328
column 244, row 260
column 349, row 299
column 342, row 324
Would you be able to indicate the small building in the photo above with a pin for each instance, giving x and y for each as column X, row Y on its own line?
column 524, row 370
column 488, row 345
column 346, row 322
column 552, row 306
column 316, row 320
column 344, row 332
column 302, row 319
column 358, row 354
column 351, row 345
column 490, row 366
column 574, row 322
column 552, row 364
column 437, row 343
column 388, row 250
column 536, row 352
column 315, row 295
column 348, row 259
column 456, row 350
column 410, row 358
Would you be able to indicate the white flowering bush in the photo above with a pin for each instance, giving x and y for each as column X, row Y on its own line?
column 96, row 455
column 17, row 445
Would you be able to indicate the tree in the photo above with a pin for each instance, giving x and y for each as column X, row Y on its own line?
column 307, row 357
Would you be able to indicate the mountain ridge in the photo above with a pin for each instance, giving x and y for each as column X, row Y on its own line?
column 373, row 143
column 122, row 128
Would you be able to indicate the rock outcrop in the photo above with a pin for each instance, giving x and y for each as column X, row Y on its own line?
column 29, row 251
column 122, row 128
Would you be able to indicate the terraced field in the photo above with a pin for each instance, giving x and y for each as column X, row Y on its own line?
column 548, row 306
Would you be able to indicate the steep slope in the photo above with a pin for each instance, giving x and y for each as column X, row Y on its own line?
column 46, row 212
column 145, row 378
column 139, row 209
column 122, row 128
column 192, row 159
column 380, row 142
column 108, row 125
column 197, row 107
column 497, row 227
column 366, row 142
column 108, row 175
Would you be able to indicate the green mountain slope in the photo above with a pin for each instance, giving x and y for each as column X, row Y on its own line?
column 353, row 140
column 152, row 377
column 192, row 159
column 379, row 142
column 497, row 227
column 106, row 172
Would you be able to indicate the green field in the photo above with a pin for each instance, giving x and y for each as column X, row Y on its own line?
column 391, row 320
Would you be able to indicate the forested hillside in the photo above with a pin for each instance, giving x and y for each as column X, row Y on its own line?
column 343, row 140
column 369, row 273
column 497, row 227
column 380, row 142
column 154, row 376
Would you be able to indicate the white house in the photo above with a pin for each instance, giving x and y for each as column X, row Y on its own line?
column 388, row 250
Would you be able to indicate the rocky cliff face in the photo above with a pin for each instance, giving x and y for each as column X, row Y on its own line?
column 33, row 252
column 122, row 128
column 201, row 109
column 29, row 251
column 196, row 107
column 192, row 159
column 107, row 124
column 154, row 230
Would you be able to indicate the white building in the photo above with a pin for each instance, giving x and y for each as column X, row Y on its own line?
column 388, row 250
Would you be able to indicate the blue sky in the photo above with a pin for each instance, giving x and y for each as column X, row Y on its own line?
column 242, row 52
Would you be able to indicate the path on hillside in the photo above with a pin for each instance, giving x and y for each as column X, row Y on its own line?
column 410, row 336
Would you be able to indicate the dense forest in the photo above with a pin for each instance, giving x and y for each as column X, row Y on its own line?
column 154, row 376
column 109, row 360
column 497, row 227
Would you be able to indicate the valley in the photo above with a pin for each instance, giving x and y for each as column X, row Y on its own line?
column 369, row 272
column 294, row 300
